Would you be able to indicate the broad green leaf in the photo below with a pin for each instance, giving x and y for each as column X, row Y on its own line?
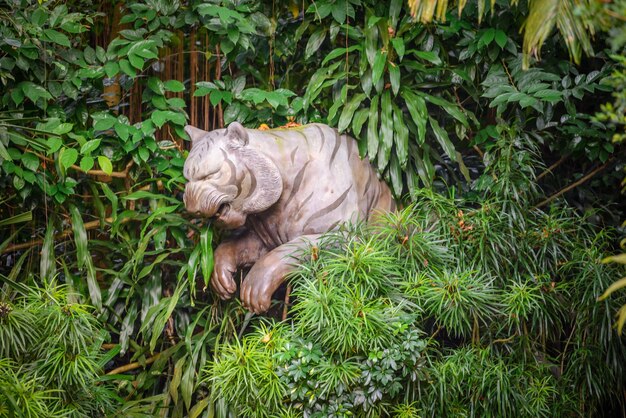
column 18, row 182
column 90, row 146
column 30, row 161
column 57, row 37
column 34, row 92
column 4, row 154
column 487, row 37
column 501, row 38
column 339, row 52
column 398, row 45
column 548, row 95
column 105, row 164
column 174, row 86
column 136, row 61
column 122, row 130
column 127, row 68
column 379, row 66
column 314, row 42
column 104, row 123
column 160, row 117
column 111, row 69
column 68, row 157
column 86, row 163
column 156, row 85
column 428, row 56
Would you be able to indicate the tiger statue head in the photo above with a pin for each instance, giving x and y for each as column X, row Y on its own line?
column 227, row 179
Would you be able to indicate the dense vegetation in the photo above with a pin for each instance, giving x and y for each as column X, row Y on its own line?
column 477, row 299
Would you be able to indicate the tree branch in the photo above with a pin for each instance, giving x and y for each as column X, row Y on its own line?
column 134, row 365
column 62, row 235
column 552, row 167
column 574, row 185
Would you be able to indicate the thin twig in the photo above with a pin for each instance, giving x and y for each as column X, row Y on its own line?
column 504, row 340
column 552, row 167
column 509, row 75
column 573, row 185
column 62, row 235
column 134, row 365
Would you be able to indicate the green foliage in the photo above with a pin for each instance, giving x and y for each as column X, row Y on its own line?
column 474, row 285
column 496, row 327
column 52, row 355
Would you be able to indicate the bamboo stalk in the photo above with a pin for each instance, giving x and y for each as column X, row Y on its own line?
column 207, row 125
column 219, row 115
column 193, row 68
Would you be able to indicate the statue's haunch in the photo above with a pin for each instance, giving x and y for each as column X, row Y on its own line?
column 282, row 188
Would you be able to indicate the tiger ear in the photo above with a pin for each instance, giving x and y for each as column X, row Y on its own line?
column 194, row 133
column 237, row 133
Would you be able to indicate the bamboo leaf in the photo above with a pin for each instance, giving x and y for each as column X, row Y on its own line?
column 348, row 111
column 401, row 136
column 442, row 137
column 47, row 262
column 417, row 108
column 372, row 129
column 176, row 378
column 314, row 42
column 386, row 130
column 394, row 78
column 206, row 255
column 612, row 288
column 620, row 258
column 379, row 66
column 22, row 217
column 187, row 384
column 621, row 319
column 84, row 257
column 161, row 320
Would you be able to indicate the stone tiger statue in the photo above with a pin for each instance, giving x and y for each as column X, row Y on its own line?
column 281, row 189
